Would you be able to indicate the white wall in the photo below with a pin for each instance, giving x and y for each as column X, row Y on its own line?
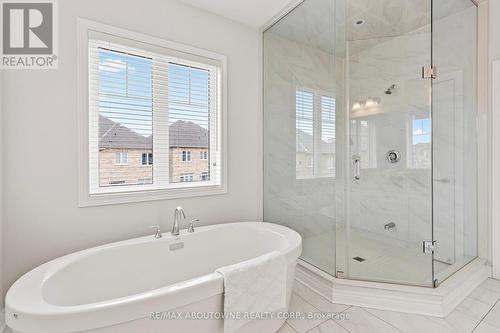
column 494, row 54
column 42, row 219
column 1, row 189
column 494, row 7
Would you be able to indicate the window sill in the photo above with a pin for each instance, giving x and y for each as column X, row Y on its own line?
column 111, row 198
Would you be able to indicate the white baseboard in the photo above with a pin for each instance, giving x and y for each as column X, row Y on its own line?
column 438, row 302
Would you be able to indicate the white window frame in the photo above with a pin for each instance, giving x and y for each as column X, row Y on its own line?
column 189, row 157
column 117, row 195
column 149, row 161
column 186, row 177
column 119, row 161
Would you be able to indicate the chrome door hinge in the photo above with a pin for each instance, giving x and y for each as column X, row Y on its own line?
column 429, row 246
column 428, row 72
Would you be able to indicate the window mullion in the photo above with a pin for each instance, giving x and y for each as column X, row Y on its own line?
column 160, row 124
column 93, row 118
column 316, row 134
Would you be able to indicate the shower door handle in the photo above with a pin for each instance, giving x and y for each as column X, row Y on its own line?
column 356, row 161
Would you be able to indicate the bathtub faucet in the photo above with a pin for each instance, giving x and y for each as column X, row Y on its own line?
column 179, row 212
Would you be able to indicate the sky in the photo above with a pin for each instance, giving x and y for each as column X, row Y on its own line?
column 421, row 129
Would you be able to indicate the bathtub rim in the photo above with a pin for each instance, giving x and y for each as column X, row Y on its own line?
column 25, row 296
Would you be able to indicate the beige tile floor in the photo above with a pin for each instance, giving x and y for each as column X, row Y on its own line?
column 478, row 313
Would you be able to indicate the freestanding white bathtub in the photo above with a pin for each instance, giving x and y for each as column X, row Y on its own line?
column 116, row 287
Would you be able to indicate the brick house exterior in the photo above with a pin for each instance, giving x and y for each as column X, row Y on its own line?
column 305, row 158
column 126, row 157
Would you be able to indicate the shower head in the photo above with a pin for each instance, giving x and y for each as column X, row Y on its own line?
column 390, row 89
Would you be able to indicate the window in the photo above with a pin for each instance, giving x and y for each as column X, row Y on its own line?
column 315, row 135
column 186, row 156
column 419, row 149
column 148, row 96
column 121, row 158
column 421, row 131
column 204, row 176
column 186, row 178
column 147, row 159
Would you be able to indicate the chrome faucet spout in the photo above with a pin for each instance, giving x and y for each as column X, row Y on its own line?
column 178, row 214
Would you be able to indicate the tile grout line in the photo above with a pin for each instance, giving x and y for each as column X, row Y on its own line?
column 423, row 316
column 339, row 323
column 302, row 298
column 348, row 307
column 309, row 330
column 397, row 328
column 293, row 329
column 373, row 314
column 487, row 289
column 482, row 319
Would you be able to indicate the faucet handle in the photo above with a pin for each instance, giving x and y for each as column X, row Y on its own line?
column 191, row 225
column 157, row 232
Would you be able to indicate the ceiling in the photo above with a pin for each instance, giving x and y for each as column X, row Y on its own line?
column 253, row 13
column 314, row 21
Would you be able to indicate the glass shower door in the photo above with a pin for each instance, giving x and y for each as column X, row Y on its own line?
column 388, row 179
column 300, row 102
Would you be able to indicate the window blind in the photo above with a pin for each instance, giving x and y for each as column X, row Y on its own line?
column 304, row 123
column 147, row 101
column 327, row 145
column 315, row 134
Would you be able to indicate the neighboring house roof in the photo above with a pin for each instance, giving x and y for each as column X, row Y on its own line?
column 305, row 143
column 181, row 134
column 187, row 134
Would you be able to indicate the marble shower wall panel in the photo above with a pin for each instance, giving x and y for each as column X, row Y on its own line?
column 402, row 192
column 305, row 205
column 389, row 192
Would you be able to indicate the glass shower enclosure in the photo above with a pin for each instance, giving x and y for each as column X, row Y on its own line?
column 370, row 143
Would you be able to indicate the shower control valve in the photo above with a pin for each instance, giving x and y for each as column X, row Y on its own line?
column 393, row 156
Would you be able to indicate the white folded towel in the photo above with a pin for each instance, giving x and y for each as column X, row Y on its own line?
column 254, row 286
